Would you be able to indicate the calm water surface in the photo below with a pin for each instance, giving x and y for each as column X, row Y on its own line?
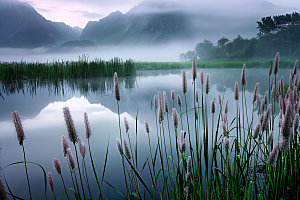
column 40, row 107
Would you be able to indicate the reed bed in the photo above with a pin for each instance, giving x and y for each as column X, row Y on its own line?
column 83, row 68
column 252, row 156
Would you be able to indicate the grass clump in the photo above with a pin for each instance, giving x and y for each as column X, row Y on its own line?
column 83, row 68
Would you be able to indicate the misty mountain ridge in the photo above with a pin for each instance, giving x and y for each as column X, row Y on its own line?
column 22, row 26
column 149, row 22
column 156, row 22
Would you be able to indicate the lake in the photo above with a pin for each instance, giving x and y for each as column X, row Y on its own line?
column 40, row 105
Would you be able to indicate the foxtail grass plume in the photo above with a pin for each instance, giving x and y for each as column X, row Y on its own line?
column 256, row 130
column 290, row 82
column 266, row 97
column 175, row 117
column 126, row 124
column 243, row 77
column 262, row 105
column 280, row 119
column 207, row 84
column 18, row 126
column 70, row 125
column 265, row 121
column 296, row 82
column 50, row 181
column 178, row 100
column 224, row 129
column 119, row 146
column 182, row 144
column 71, row 160
column 155, row 101
column 219, row 98
column 270, row 69
column 116, row 87
column 226, row 142
column 255, row 92
column 56, row 165
column 2, row 191
column 196, row 96
column 273, row 90
column 189, row 164
column 257, row 100
column 295, row 93
column 82, row 147
column 65, row 145
column 184, row 82
column 88, row 131
column 296, row 122
column 127, row 149
column 194, row 68
column 166, row 105
column 147, row 126
column 212, row 106
column 273, row 155
column 173, row 95
column 226, row 106
column 285, row 144
column 295, row 67
column 201, row 77
column 160, row 109
column 269, row 109
column 285, row 128
column 224, row 118
column 270, row 138
column 236, row 91
column 276, row 63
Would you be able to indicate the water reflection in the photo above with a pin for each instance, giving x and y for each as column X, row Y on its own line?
column 40, row 105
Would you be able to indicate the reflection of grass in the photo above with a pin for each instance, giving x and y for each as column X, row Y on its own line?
column 232, row 160
column 212, row 64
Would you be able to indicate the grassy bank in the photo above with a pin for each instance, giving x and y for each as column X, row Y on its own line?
column 212, row 64
column 83, row 68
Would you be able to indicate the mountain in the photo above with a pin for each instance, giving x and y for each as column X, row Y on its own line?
column 23, row 27
column 66, row 30
column 118, row 28
column 77, row 30
column 156, row 21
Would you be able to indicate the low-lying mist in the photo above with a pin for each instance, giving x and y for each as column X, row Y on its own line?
column 148, row 53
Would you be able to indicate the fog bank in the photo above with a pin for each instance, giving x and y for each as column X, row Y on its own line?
column 158, row 53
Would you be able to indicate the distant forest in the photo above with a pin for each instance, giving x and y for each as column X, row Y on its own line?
column 279, row 33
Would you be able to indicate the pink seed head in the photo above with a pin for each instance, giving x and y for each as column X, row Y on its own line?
column 88, row 131
column 50, row 181
column 56, row 165
column 243, row 77
column 18, row 126
column 116, row 87
column 276, row 63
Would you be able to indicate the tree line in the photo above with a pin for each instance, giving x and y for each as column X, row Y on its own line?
column 280, row 33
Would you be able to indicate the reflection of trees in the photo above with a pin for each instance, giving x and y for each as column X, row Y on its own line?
column 59, row 87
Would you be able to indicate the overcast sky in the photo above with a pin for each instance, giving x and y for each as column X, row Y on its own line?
column 80, row 12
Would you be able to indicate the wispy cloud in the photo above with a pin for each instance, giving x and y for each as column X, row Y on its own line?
column 44, row 9
column 88, row 14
